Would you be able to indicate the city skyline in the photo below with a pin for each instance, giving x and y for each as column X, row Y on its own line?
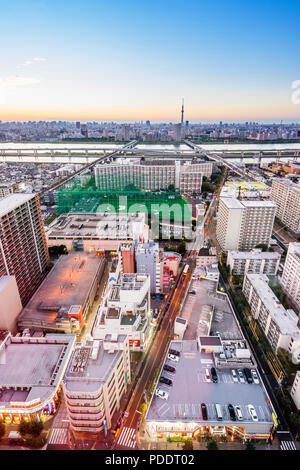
column 136, row 62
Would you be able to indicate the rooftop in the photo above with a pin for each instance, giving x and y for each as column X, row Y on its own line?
column 234, row 203
column 256, row 253
column 282, row 317
column 97, row 225
column 68, row 283
column 12, row 201
column 91, row 364
column 208, row 312
column 35, row 364
column 190, row 388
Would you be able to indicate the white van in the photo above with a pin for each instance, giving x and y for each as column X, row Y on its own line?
column 219, row 412
column 207, row 375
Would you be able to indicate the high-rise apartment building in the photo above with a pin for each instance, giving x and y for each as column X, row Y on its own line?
column 241, row 225
column 286, row 195
column 291, row 273
column 23, row 248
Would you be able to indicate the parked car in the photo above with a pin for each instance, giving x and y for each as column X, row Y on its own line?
column 238, row 413
column 174, row 352
column 165, row 381
column 204, row 411
column 255, row 376
column 252, row 412
column 234, row 375
column 207, row 375
column 248, row 375
column 169, row 368
column 231, row 412
column 161, row 394
column 241, row 376
column 173, row 358
column 214, row 375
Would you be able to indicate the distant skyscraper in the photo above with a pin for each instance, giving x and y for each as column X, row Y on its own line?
column 23, row 248
column 125, row 131
column 78, row 125
column 177, row 132
column 148, row 123
column 84, row 130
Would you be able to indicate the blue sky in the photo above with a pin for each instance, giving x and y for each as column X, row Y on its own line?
column 133, row 60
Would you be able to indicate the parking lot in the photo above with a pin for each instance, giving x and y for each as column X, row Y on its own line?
column 190, row 388
column 208, row 312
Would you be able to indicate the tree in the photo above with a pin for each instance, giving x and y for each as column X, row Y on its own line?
column 263, row 246
column 36, row 427
column 188, row 445
column 2, row 429
column 33, row 428
column 250, row 445
column 212, row 445
column 24, row 427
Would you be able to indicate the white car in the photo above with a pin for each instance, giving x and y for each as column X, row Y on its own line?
column 255, row 376
column 161, row 394
column 173, row 358
column 241, row 376
column 252, row 412
column 207, row 375
column 234, row 375
column 238, row 412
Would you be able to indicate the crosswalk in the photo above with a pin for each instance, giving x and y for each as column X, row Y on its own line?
column 127, row 438
column 287, row 445
column 58, row 436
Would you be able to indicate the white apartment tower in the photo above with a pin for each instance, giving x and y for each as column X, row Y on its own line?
column 291, row 273
column 241, row 225
column 286, row 195
column 23, row 248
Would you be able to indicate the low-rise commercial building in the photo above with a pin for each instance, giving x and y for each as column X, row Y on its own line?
column 278, row 324
column 63, row 299
column 206, row 257
column 169, row 264
column 255, row 261
column 291, row 273
column 89, row 231
column 31, row 372
column 96, row 378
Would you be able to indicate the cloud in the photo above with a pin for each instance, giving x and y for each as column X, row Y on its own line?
column 15, row 80
column 9, row 85
column 35, row 59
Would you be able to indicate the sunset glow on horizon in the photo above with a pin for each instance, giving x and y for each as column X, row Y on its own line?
column 127, row 62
